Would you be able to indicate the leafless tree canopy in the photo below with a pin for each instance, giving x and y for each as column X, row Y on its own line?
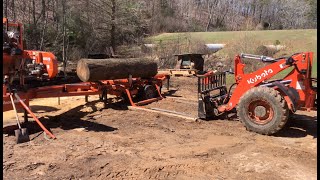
column 83, row 26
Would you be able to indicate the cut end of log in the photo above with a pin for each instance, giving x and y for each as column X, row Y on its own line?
column 83, row 67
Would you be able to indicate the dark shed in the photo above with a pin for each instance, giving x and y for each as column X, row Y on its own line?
column 190, row 61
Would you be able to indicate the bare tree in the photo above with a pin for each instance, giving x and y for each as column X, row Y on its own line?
column 74, row 28
column 64, row 59
column 113, row 25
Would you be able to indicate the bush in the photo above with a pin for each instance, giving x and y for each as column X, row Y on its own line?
column 277, row 42
column 245, row 45
column 263, row 26
column 263, row 50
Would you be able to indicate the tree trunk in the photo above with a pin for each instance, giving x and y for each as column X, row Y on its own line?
column 6, row 9
column 108, row 69
column 34, row 12
column 14, row 11
column 113, row 25
column 44, row 22
column 210, row 8
column 64, row 59
column 29, row 13
column 260, row 16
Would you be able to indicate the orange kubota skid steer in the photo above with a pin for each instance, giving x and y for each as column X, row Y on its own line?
column 262, row 105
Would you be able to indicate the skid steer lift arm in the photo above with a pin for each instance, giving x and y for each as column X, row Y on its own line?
column 296, row 87
column 262, row 104
column 300, row 77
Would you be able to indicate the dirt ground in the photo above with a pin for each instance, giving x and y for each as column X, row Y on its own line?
column 117, row 143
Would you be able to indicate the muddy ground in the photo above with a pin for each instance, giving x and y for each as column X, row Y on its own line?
column 117, row 143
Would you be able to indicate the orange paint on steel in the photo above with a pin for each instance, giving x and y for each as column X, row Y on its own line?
column 129, row 96
column 300, row 82
column 158, row 90
column 47, row 58
column 266, row 118
column 147, row 101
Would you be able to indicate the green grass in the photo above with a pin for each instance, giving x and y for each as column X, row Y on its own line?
column 227, row 36
column 294, row 40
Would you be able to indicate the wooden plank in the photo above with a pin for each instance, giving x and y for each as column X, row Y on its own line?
column 179, row 72
column 182, row 100
column 169, row 111
column 164, row 112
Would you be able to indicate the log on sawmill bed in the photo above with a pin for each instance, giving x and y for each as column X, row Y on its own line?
column 108, row 69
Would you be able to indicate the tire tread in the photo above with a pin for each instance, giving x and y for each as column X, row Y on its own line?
column 279, row 99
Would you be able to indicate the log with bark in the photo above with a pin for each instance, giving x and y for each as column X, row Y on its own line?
column 108, row 69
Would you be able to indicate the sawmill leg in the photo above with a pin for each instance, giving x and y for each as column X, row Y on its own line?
column 25, row 116
column 86, row 98
column 129, row 97
column 159, row 91
column 104, row 97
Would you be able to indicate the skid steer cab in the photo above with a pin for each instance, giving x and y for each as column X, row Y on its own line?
column 262, row 105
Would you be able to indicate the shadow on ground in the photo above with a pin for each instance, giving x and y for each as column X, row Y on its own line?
column 171, row 93
column 71, row 119
column 38, row 109
column 299, row 126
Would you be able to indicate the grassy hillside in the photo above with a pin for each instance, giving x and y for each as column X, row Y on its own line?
column 294, row 40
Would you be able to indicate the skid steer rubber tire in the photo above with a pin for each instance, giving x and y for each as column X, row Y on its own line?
column 263, row 110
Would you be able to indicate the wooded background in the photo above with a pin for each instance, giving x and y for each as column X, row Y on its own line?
column 79, row 27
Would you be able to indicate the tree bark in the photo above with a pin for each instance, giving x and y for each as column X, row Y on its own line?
column 6, row 9
column 210, row 8
column 14, row 11
column 113, row 25
column 44, row 22
column 34, row 13
column 64, row 59
column 109, row 69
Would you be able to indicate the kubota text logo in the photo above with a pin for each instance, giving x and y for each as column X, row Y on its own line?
column 258, row 77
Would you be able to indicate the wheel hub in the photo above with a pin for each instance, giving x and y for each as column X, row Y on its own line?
column 260, row 112
column 149, row 92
